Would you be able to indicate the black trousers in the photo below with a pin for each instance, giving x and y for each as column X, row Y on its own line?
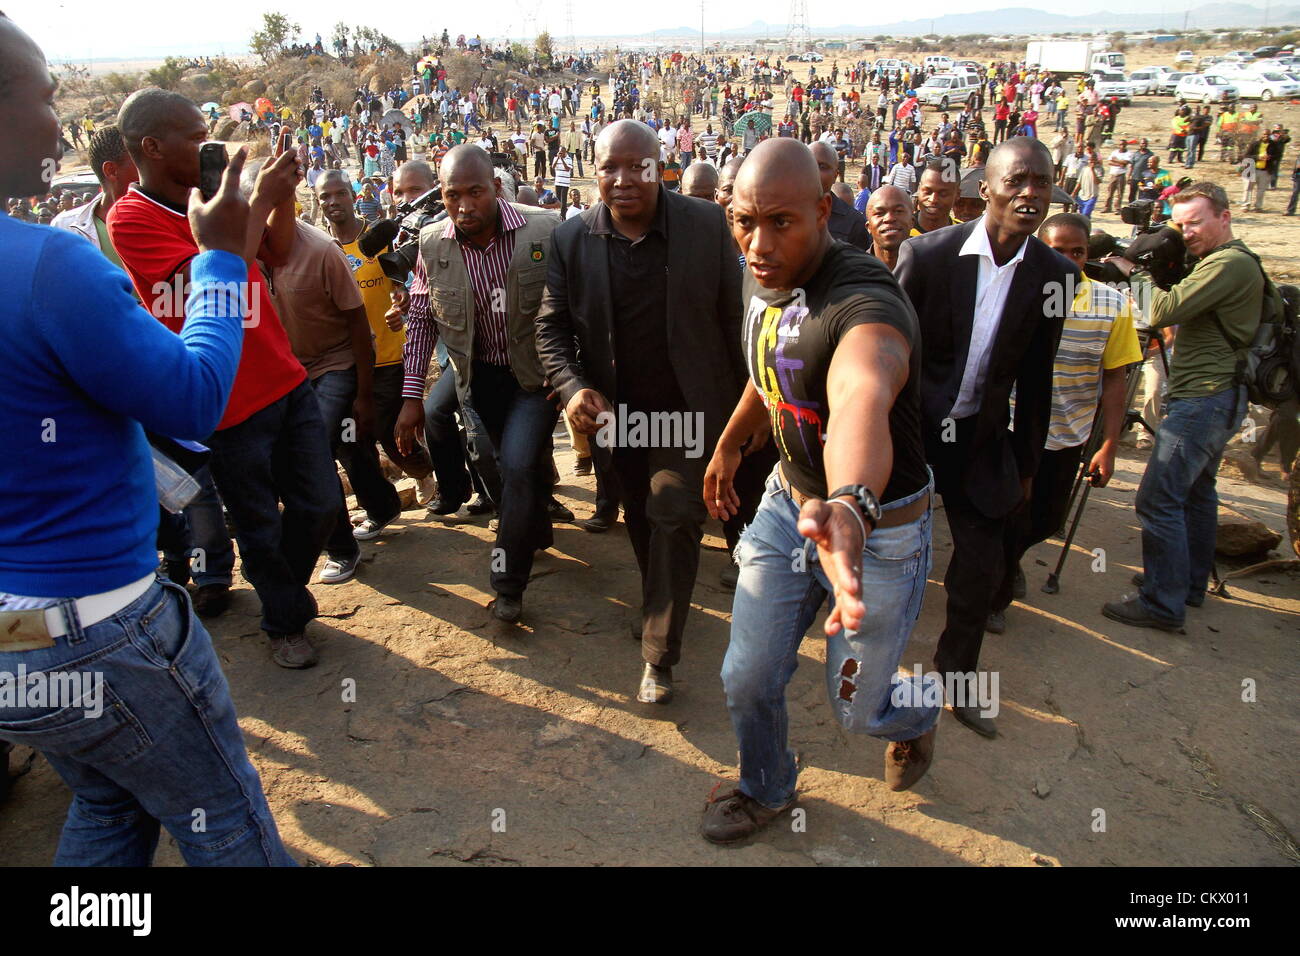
column 664, row 510
column 1041, row 517
column 519, row 424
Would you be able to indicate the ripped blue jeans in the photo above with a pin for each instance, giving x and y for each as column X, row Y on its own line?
column 780, row 591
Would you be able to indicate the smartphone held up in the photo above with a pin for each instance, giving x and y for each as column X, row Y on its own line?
column 212, row 163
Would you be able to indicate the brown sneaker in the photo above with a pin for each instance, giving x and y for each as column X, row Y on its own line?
column 734, row 816
column 211, row 600
column 293, row 651
column 906, row 761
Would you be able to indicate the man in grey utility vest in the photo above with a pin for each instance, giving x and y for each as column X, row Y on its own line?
column 485, row 268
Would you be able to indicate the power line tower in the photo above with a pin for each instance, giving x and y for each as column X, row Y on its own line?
column 797, row 34
column 569, row 38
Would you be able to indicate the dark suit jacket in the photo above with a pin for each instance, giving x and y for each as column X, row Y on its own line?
column 575, row 327
column 848, row 225
column 988, row 465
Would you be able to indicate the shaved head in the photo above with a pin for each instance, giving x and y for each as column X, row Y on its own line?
column 417, row 172
column 776, row 160
column 465, row 162
column 779, row 214
column 152, row 112
column 327, row 178
column 828, row 162
column 1017, row 147
column 526, row 196
column 701, row 181
column 844, row 191
column 627, row 135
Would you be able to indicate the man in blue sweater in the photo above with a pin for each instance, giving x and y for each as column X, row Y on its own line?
column 103, row 667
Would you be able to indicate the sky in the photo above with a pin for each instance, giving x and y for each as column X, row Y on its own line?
column 82, row 30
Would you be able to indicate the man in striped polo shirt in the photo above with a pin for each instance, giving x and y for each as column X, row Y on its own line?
column 1098, row 343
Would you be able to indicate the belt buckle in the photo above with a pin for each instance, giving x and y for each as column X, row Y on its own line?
column 24, row 630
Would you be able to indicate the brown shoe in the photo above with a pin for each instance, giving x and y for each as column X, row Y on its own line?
column 906, row 761
column 211, row 600
column 734, row 816
column 293, row 651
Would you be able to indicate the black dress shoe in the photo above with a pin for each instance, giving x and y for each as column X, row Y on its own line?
column 1193, row 600
column 583, row 466
column 1132, row 612
column 598, row 523
column 996, row 622
column 558, row 512
column 444, row 506
column 479, row 506
column 729, row 576
column 970, row 716
column 656, row 685
column 506, row 609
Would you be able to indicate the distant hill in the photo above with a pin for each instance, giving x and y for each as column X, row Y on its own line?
column 1020, row 20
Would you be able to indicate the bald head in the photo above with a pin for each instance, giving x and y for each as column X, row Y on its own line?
column 466, row 163
column 153, row 113
column 779, row 214
column 526, row 196
column 844, row 191
column 701, row 181
column 327, row 179
column 828, row 163
column 783, row 160
column 414, row 179
column 627, row 135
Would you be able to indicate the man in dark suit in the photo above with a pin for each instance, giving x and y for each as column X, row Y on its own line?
column 846, row 223
column 641, row 317
column 988, row 296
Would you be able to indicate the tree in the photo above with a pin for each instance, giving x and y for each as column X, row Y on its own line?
column 277, row 31
column 340, row 36
column 543, row 48
column 166, row 76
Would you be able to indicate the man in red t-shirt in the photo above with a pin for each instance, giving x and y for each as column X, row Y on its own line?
column 270, row 448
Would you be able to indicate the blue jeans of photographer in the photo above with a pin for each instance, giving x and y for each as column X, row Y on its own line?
column 779, row 593
column 1177, row 503
column 161, row 748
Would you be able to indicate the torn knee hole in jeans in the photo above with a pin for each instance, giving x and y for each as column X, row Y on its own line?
column 848, row 670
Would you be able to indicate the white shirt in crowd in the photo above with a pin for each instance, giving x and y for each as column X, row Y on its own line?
column 903, row 175
column 991, row 288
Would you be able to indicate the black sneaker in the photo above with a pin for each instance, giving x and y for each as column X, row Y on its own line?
column 1018, row 588
column 479, row 506
column 558, row 512
column 444, row 506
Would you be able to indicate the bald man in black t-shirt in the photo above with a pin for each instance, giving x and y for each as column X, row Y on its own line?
column 831, row 346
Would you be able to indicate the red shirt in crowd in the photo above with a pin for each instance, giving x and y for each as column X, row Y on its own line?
column 154, row 242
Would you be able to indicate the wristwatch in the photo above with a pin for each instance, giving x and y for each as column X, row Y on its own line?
column 863, row 498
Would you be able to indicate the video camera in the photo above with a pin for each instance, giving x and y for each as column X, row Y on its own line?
column 1159, row 251
column 402, row 236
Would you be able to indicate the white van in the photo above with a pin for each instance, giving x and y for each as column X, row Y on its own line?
column 939, row 63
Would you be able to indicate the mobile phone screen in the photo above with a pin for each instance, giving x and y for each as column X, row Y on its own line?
column 212, row 163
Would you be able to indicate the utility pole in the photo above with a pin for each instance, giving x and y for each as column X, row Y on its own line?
column 701, row 30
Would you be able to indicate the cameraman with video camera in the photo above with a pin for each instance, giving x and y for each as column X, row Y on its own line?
column 1217, row 309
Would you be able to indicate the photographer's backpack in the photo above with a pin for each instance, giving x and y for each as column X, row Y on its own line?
column 1270, row 368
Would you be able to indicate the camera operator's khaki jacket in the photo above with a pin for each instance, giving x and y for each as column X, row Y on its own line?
column 451, row 297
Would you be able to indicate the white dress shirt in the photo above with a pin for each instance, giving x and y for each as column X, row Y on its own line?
column 991, row 288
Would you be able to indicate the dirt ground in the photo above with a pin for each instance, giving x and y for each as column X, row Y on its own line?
column 474, row 742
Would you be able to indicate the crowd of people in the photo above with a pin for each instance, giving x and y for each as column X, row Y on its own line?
column 727, row 330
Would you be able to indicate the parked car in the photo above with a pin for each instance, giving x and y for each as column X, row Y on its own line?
column 1168, row 81
column 1185, row 56
column 1113, row 84
column 1143, row 82
column 947, row 89
column 1265, row 86
column 1205, row 88
column 1265, row 51
column 941, row 63
column 84, row 184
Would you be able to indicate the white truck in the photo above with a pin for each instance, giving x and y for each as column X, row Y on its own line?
column 1073, row 57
